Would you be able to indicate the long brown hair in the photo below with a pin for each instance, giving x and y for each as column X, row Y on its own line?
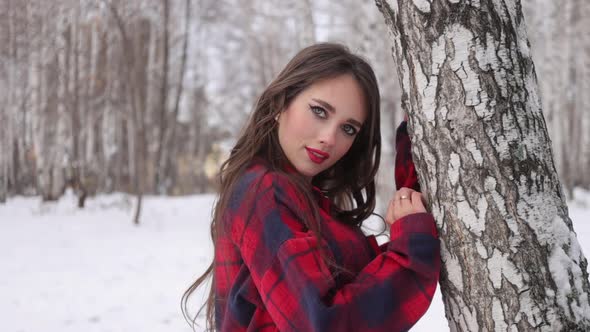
column 349, row 183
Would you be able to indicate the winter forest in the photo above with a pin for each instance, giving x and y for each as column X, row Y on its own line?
column 146, row 96
column 101, row 98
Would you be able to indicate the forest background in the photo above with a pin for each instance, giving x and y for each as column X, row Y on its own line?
column 116, row 99
column 147, row 97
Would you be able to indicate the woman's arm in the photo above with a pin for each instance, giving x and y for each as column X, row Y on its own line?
column 296, row 286
column 405, row 170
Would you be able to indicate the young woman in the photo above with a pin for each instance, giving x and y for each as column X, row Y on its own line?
column 289, row 252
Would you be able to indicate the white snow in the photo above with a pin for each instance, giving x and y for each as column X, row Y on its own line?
column 71, row 270
column 65, row 269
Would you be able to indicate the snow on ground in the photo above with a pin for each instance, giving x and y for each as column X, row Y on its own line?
column 70, row 270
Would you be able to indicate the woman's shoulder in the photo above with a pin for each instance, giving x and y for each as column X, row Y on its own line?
column 259, row 178
column 262, row 191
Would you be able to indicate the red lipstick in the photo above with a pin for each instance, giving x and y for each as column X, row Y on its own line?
column 317, row 156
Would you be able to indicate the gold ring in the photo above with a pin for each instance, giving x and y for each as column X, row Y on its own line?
column 403, row 197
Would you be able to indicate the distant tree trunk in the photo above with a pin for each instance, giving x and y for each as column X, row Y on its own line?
column 584, row 81
column 140, row 80
column 511, row 257
column 26, row 155
column 579, row 75
column 110, row 134
column 307, row 35
column 571, row 153
column 134, row 83
column 73, row 90
column 5, row 118
column 4, row 155
column 88, row 113
column 161, row 176
column 170, row 148
column 6, row 121
column 558, row 33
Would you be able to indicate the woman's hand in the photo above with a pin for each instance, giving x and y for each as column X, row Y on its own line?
column 405, row 201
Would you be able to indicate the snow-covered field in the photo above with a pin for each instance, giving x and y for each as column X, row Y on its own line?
column 70, row 270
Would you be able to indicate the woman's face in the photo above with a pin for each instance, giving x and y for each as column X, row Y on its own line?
column 320, row 124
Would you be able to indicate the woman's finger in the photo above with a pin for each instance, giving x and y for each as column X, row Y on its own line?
column 403, row 193
column 417, row 203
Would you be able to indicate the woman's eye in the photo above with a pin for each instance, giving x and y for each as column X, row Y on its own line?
column 349, row 130
column 318, row 111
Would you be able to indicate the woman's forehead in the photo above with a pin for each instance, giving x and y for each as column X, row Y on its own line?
column 342, row 93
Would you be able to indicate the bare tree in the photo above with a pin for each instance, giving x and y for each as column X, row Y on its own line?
column 168, row 125
column 134, row 54
column 75, row 105
column 4, row 142
column 561, row 48
column 161, row 175
column 5, row 137
column 511, row 258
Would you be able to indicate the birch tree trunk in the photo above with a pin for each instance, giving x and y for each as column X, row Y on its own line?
column 161, row 175
column 5, row 118
column 511, row 260
column 135, row 85
column 170, row 150
column 4, row 139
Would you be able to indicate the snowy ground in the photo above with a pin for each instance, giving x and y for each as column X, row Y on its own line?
column 70, row 270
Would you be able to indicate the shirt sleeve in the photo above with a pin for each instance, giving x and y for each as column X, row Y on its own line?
column 297, row 286
column 405, row 170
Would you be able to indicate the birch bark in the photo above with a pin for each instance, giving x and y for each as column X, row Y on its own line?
column 511, row 258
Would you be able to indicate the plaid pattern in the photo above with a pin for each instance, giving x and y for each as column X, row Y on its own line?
column 405, row 171
column 270, row 275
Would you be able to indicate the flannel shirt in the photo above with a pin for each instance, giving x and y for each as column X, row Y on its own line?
column 270, row 276
column 405, row 171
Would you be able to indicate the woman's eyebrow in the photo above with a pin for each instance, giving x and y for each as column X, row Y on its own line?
column 331, row 108
column 325, row 104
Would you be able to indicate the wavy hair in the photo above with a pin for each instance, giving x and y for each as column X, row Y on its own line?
column 349, row 183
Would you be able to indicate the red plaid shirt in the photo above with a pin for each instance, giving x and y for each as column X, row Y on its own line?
column 270, row 275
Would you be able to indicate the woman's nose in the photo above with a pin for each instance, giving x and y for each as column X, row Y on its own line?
column 328, row 136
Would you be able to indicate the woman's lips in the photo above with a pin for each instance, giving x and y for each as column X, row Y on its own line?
column 317, row 156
